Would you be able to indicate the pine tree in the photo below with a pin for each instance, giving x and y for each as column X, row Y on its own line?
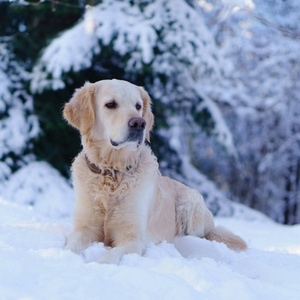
column 162, row 45
column 23, row 180
column 224, row 78
column 18, row 124
column 262, row 40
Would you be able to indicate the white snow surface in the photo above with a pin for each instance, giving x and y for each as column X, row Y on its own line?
column 41, row 187
column 34, row 264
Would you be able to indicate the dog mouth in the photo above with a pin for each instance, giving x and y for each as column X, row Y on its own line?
column 115, row 144
column 134, row 137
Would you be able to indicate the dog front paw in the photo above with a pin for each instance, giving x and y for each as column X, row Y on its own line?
column 77, row 242
column 112, row 256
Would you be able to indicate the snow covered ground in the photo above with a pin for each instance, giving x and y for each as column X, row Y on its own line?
column 33, row 264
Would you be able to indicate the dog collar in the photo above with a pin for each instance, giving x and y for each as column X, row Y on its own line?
column 95, row 169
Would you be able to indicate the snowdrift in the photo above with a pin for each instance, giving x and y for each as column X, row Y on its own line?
column 34, row 265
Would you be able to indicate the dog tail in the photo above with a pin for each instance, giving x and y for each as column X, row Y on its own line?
column 222, row 235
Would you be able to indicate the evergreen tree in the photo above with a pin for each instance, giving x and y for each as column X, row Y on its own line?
column 24, row 31
column 262, row 40
column 162, row 45
column 18, row 124
column 223, row 75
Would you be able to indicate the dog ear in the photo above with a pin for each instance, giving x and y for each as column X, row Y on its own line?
column 79, row 111
column 147, row 113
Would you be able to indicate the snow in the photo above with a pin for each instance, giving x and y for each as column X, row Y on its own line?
column 42, row 187
column 18, row 125
column 33, row 263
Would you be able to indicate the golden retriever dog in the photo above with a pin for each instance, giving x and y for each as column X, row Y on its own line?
column 122, row 199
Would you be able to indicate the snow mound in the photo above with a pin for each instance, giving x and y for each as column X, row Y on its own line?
column 41, row 187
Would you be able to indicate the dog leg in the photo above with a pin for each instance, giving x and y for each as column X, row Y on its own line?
column 194, row 218
column 127, row 238
column 88, row 221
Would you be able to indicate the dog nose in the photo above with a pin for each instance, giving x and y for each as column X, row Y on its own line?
column 137, row 123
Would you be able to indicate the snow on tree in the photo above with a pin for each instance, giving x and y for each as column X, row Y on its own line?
column 22, row 180
column 167, row 37
column 262, row 40
column 224, row 78
column 167, row 41
column 18, row 124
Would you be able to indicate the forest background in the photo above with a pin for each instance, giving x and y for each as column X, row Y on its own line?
column 224, row 77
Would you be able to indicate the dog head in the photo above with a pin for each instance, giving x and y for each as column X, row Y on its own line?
column 112, row 110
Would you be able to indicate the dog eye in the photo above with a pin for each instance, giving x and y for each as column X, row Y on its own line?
column 138, row 106
column 111, row 104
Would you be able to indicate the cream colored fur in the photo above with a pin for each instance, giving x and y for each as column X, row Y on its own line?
column 133, row 204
